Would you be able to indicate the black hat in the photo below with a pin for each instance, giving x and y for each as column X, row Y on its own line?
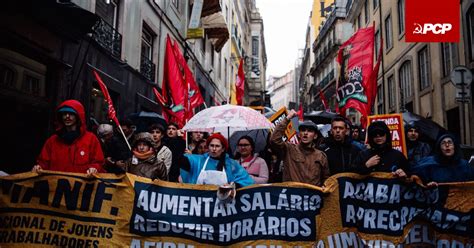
column 309, row 125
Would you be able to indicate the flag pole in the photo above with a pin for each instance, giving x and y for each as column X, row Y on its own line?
column 124, row 137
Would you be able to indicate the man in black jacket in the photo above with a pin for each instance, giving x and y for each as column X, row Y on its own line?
column 341, row 152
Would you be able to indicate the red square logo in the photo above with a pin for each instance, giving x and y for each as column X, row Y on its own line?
column 432, row 20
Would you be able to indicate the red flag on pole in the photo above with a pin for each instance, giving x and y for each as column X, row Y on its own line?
column 356, row 85
column 324, row 100
column 300, row 112
column 174, row 88
column 194, row 93
column 240, row 83
column 111, row 110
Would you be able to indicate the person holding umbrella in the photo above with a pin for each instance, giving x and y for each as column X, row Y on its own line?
column 214, row 167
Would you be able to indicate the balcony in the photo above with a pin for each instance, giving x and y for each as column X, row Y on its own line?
column 147, row 68
column 327, row 79
column 108, row 38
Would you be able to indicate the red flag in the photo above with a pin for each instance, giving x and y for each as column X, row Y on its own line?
column 240, row 83
column 356, row 84
column 174, row 88
column 300, row 112
column 324, row 100
column 111, row 113
column 194, row 94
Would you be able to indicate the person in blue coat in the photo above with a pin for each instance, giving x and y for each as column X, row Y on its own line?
column 446, row 165
column 214, row 167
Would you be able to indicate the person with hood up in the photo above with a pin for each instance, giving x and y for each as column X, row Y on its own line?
column 144, row 161
column 71, row 148
column 303, row 162
column 214, row 167
column 446, row 165
column 381, row 157
column 416, row 149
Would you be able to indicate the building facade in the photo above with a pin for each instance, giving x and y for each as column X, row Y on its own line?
column 333, row 32
column 416, row 76
column 282, row 90
column 48, row 54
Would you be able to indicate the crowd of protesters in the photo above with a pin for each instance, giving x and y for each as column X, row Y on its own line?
column 162, row 153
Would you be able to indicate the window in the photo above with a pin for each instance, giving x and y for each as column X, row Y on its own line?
column 226, row 77
column 377, row 43
column 212, row 55
column 147, row 67
column 108, row 10
column 470, row 29
column 147, row 42
column 449, row 55
column 255, row 47
column 401, row 16
column 366, row 11
column 31, row 85
column 7, row 76
column 423, row 68
column 405, row 81
column 358, row 22
column 175, row 3
column 388, row 33
column 391, row 89
column 380, row 97
column 375, row 3
column 219, row 66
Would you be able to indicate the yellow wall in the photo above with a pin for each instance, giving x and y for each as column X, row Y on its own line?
column 316, row 18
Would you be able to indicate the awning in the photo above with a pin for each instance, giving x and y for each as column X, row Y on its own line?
column 214, row 24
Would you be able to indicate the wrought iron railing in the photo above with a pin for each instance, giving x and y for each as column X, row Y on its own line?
column 108, row 38
column 147, row 68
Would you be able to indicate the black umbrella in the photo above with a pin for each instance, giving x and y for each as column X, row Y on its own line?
column 430, row 131
column 259, row 136
column 320, row 117
column 144, row 119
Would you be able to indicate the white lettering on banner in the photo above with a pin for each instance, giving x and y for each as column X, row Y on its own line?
column 136, row 243
column 201, row 231
column 280, row 226
column 391, row 194
column 208, row 207
column 418, row 235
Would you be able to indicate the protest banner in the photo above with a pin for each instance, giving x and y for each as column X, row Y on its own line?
column 290, row 132
column 379, row 210
column 70, row 210
column 395, row 124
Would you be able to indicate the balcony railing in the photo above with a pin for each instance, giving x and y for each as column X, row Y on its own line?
column 327, row 79
column 108, row 38
column 147, row 68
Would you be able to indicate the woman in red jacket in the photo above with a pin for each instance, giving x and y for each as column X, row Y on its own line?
column 71, row 148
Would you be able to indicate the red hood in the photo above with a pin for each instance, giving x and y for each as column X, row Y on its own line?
column 77, row 106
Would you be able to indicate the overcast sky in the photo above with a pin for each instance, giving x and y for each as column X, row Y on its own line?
column 285, row 24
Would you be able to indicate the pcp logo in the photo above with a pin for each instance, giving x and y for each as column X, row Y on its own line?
column 437, row 28
column 432, row 21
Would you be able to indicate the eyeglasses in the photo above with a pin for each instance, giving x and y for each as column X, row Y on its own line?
column 447, row 143
column 242, row 145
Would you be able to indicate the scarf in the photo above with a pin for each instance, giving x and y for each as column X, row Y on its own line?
column 143, row 155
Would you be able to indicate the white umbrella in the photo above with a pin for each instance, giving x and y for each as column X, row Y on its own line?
column 227, row 119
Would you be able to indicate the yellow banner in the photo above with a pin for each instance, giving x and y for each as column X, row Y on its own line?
column 70, row 210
